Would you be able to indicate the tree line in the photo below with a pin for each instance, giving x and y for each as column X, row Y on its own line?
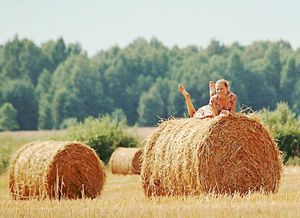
column 50, row 85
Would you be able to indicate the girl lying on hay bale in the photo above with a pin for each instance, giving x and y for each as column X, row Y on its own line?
column 227, row 154
column 222, row 101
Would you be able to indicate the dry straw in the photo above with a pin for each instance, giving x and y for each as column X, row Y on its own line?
column 190, row 156
column 56, row 170
column 126, row 161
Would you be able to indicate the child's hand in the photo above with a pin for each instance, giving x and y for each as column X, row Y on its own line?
column 224, row 113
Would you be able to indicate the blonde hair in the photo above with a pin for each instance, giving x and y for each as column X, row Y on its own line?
column 225, row 83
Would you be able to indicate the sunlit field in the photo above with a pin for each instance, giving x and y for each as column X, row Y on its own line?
column 123, row 196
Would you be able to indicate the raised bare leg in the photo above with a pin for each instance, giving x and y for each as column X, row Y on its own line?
column 189, row 103
column 212, row 88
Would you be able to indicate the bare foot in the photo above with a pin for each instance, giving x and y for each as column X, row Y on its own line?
column 181, row 90
column 212, row 88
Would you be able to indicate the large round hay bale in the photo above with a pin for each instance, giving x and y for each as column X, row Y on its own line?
column 192, row 156
column 126, row 161
column 56, row 169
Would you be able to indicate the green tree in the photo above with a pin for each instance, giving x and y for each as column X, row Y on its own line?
column 158, row 102
column 273, row 67
column 151, row 107
column 281, row 120
column 260, row 94
column 21, row 94
column 10, row 62
column 8, row 117
column 43, row 83
column 56, row 52
column 296, row 96
column 58, row 109
column 21, row 59
column 215, row 48
column 238, row 76
column 45, row 120
column 217, row 66
column 78, row 90
column 288, row 79
column 70, row 85
column 129, row 72
column 285, row 127
column 254, row 56
column 74, row 49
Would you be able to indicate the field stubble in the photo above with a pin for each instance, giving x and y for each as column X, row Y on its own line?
column 123, row 196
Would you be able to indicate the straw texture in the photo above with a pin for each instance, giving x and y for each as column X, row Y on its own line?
column 192, row 156
column 126, row 161
column 56, row 169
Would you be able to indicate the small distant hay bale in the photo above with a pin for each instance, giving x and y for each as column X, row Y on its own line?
column 126, row 161
column 191, row 156
column 55, row 170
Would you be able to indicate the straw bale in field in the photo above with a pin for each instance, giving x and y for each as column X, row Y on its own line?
column 126, row 161
column 56, row 169
column 191, row 156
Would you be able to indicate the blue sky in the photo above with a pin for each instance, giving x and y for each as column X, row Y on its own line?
column 99, row 24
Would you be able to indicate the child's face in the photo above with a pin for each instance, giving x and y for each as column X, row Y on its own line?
column 221, row 89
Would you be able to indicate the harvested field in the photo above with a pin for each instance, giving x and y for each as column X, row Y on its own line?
column 122, row 196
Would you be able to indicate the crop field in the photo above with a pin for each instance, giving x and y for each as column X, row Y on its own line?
column 123, row 196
